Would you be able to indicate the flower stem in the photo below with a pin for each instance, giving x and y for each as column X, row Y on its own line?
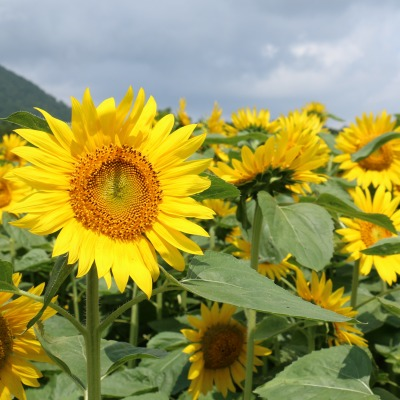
column 75, row 296
column 93, row 391
column 134, row 324
column 251, row 315
column 354, row 283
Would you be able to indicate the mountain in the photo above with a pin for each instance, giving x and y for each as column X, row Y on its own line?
column 19, row 94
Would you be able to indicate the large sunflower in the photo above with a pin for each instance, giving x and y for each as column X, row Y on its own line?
column 360, row 235
column 19, row 346
column 320, row 292
column 382, row 167
column 117, row 189
column 287, row 159
column 219, row 351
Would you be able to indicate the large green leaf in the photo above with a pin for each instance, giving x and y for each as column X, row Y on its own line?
column 219, row 189
column 348, row 209
column 374, row 145
column 384, row 247
column 341, row 372
column 223, row 278
column 25, row 119
column 302, row 229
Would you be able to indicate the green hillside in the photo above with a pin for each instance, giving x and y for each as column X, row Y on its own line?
column 19, row 94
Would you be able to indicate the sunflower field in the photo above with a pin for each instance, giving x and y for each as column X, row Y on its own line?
column 148, row 256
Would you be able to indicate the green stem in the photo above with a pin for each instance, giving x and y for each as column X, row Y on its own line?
column 354, row 283
column 59, row 309
column 211, row 232
column 159, row 302
column 75, row 296
column 251, row 315
column 382, row 294
column 134, row 324
column 93, row 337
column 140, row 297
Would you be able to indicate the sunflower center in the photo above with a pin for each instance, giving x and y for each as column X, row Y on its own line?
column 6, row 341
column 5, row 194
column 370, row 233
column 115, row 192
column 379, row 160
column 222, row 345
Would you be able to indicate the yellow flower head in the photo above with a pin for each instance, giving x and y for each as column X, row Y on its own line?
column 222, row 208
column 247, row 119
column 215, row 123
column 319, row 291
column 218, row 351
column 318, row 109
column 183, row 116
column 359, row 235
column 272, row 271
column 118, row 190
column 19, row 346
column 382, row 167
column 284, row 162
column 10, row 142
column 11, row 191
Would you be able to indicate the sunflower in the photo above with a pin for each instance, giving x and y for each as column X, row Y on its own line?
column 19, row 346
column 382, row 167
column 319, row 291
column 183, row 116
column 221, row 207
column 318, row 109
column 218, row 351
column 251, row 120
column 360, row 235
column 215, row 122
column 272, row 271
column 116, row 188
column 10, row 191
column 285, row 162
column 10, row 142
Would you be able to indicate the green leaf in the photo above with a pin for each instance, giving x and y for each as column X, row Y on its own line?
column 126, row 382
column 232, row 141
column 119, row 353
column 60, row 272
column 341, row 372
column 219, row 189
column 6, row 282
column 333, row 203
column 148, row 396
column 271, row 326
column 34, row 259
column 223, row 278
column 384, row 247
column 27, row 120
column 374, row 145
column 302, row 229
column 393, row 307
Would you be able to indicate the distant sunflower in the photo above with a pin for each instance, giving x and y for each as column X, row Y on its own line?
column 183, row 116
column 10, row 142
column 222, row 208
column 360, row 234
column 215, row 123
column 11, row 191
column 272, row 271
column 250, row 120
column 286, row 161
column 117, row 189
column 318, row 109
column 382, row 167
column 218, row 351
column 320, row 292
column 19, row 346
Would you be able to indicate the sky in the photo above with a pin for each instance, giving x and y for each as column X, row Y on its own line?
column 274, row 54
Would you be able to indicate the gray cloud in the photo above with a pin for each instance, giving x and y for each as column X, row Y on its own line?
column 273, row 54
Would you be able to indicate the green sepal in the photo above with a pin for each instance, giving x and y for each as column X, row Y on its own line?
column 28, row 120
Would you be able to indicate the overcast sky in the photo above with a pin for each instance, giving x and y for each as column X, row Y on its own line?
column 275, row 54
